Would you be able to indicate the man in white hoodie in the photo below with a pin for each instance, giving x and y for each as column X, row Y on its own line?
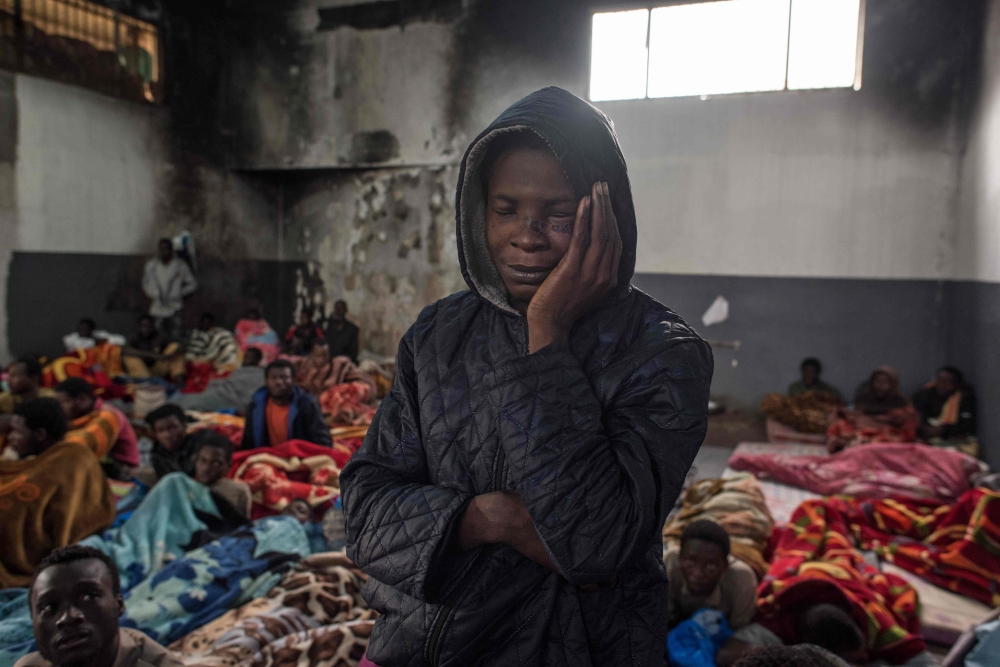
column 166, row 281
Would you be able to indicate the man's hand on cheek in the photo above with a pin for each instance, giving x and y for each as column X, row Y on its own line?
column 587, row 272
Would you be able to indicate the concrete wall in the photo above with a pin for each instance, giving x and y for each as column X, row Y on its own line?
column 852, row 325
column 84, row 172
column 90, row 169
column 91, row 175
column 8, row 197
column 825, row 183
column 978, row 233
column 974, row 315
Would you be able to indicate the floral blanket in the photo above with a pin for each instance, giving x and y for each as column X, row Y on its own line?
column 315, row 616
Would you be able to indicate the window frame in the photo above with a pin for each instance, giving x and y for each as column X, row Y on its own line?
column 649, row 6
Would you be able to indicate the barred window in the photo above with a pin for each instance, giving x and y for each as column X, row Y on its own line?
column 82, row 43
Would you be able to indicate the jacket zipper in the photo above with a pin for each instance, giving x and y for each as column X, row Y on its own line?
column 449, row 605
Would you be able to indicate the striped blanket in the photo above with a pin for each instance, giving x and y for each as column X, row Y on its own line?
column 815, row 562
column 216, row 347
column 955, row 546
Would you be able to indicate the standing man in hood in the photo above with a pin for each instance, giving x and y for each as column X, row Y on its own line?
column 509, row 498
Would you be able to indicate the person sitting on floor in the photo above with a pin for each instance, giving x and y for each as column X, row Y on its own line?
column 100, row 427
column 82, row 338
column 703, row 575
column 232, row 392
column 280, row 411
column 253, row 331
column 75, row 601
column 299, row 338
column 56, row 493
column 213, row 459
column 210, row 344
column 342, row 335
column 947, row 409
column 24, row 382
column 87, row 336
column 881, row 414
column 146, row 354
column 811, row 369
column 173, row 448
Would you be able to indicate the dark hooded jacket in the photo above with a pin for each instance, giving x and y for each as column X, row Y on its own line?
column 596, row 436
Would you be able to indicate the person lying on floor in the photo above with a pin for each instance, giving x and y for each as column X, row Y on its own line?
column 56, row 492
column 300, row 509
column 825, row 625
column 811, row 370
column 100, row 427
column 703, row 575
column 947, row 409
column 213, row 458
column 233, row 392
column 881, row 414
column 173, row 448
column 211, row 344
column 280, row 411
column 75, row 601
column 509, row 499
column 147, row 354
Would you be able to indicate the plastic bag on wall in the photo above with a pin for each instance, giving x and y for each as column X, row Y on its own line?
column 717, row 313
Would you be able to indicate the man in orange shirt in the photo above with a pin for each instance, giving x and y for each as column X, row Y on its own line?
column 280, row 411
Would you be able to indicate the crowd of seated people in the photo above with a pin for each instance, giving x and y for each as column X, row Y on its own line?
column 66, row 439
column 941, row 413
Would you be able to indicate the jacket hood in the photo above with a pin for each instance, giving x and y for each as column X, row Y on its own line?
column 583, row 139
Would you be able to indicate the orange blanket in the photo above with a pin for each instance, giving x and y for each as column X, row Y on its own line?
column 49, row 501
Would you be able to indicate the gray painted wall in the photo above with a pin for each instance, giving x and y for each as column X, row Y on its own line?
column 973, row 331
column 852, row 326
column 915, row 326
column 48, row 292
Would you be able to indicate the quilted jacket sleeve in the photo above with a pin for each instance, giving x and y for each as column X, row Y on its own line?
column 599, row 476
column 397, row 522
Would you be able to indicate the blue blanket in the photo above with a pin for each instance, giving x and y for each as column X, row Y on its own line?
column 169, row 592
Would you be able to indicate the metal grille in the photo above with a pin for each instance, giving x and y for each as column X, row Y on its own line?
column 84, row 43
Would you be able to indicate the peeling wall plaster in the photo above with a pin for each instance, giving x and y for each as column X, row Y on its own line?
column 382, row 240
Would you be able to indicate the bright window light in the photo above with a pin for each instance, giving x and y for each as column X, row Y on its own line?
column 619, row 55
column 726, row 46
column 718, row 47
column 823, row 49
